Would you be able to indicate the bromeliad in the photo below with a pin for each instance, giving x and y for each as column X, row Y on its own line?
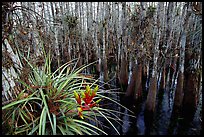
column 80, row 112
column 87, row 97
column 77, row 97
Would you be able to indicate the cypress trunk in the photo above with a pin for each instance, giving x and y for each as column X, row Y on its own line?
column 178, row 94
column 123, row 75
column 79, row 63
column 131, row 86
column 129, row 94
column 190, row 98
column 138, row 83
column 144, row 80
column 150, row 105
column 163, row 82
column 177, row 103
column 105, row 67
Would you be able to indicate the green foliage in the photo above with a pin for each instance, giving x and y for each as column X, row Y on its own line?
column 47, row 105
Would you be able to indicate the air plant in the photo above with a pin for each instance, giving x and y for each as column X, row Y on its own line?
column 61, row 102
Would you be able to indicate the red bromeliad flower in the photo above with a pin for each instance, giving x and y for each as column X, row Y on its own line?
column 95, row 103
column 87, row 97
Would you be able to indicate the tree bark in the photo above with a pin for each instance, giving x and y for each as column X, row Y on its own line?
column 150, row 105
column 138, row 83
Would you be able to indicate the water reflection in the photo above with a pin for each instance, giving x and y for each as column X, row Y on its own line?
column 136, row 126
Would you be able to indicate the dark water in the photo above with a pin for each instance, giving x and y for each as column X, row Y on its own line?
column 162, row 120
column 136, row 126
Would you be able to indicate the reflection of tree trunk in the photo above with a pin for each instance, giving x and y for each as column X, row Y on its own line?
column 150, row 105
